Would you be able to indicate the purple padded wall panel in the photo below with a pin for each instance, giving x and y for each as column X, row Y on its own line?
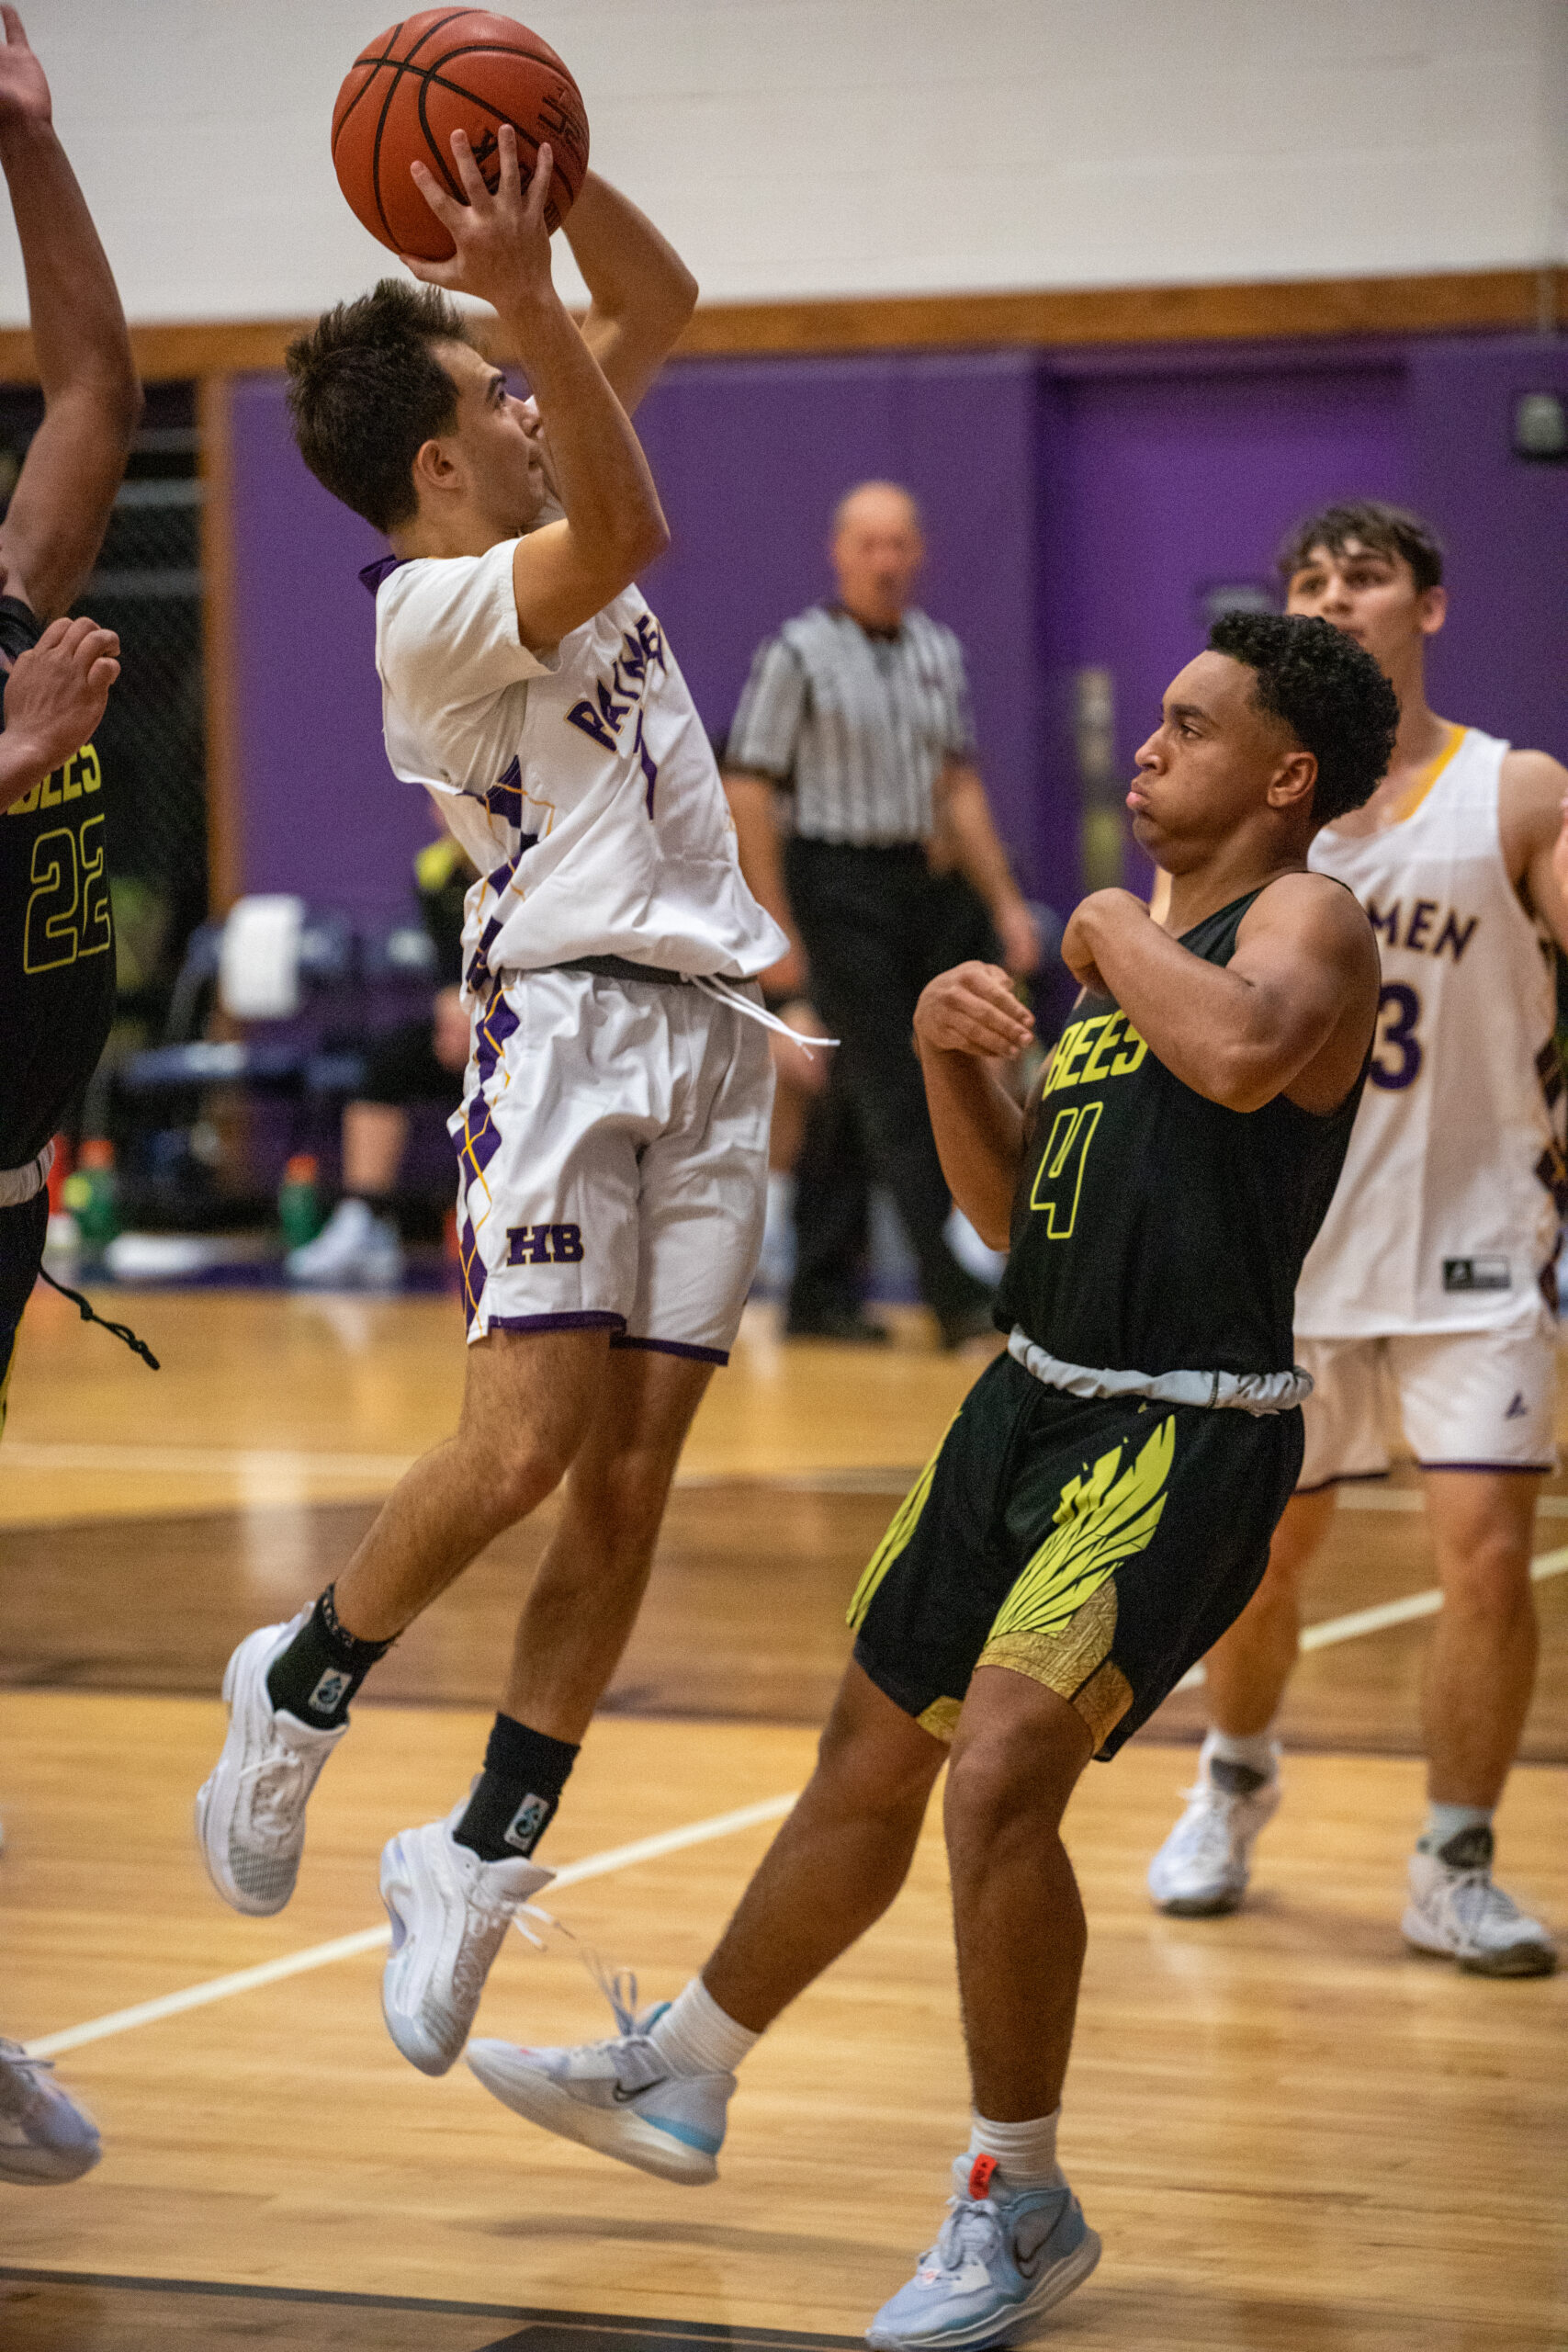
column 1502, row 660
column 320, row 812
column 752, row 456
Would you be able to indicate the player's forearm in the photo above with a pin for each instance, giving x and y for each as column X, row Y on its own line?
column 600, row 475
column 79, row 331
column 757, row 843
column 1213, row 1030
column 23, row 763
column 629, row 268
column 979, row 1138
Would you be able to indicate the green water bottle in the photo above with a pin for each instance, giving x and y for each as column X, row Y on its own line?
column 89, row 1193
column 299, row 1202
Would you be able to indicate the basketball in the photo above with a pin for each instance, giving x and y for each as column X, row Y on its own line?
column 441, row 71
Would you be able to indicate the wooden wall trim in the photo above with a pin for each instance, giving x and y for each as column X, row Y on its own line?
column 224, row 780
column 1454, row 301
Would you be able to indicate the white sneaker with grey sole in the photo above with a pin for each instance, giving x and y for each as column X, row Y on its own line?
column 250, row 1814
column 45, row 2138
column 356, row 1250
column 1458, row 1912
column 450, row 1911
column 1203, row 1866
column 616, row 2095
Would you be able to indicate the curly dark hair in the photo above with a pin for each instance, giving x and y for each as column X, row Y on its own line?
column 366, row 390
column 1392, row 530
column 1330, row 694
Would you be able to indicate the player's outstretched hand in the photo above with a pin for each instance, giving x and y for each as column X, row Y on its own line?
column 504, row 247
column 24, row 91
column 971, row 1010
column 56, row 693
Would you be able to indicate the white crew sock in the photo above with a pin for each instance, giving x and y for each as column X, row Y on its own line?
column 1255, row 1750
column 695, row 2037
column 1024, row 2152
column 1446, row 1821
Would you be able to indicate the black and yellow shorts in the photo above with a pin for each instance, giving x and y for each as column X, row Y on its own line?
column 1100, row 1547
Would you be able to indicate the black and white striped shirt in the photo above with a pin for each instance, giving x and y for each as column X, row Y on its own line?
column 857, row 726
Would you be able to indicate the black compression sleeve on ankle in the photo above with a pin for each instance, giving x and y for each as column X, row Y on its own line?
column 515, row 1796
column 323, row 1667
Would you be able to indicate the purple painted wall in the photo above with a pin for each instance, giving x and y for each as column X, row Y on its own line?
column 1079, row 505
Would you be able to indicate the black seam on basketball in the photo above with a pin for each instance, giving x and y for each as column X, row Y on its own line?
column 400, row 65
column 454, row 186
column 375, row 65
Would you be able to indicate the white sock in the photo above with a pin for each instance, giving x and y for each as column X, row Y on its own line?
column 1255, row 1750
column 1025, row 2152
column 695, row 2037
column 1446, row 1821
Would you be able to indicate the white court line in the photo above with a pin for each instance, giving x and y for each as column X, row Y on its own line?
column 296, row 1963
column 1329, row 1630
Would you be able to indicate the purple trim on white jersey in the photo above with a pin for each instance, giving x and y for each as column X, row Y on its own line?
column 589, row 1319
column 675, row 1348
column 372, row 574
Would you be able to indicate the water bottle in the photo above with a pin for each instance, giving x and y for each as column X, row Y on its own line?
column 298, row 1202
column 88, row 1193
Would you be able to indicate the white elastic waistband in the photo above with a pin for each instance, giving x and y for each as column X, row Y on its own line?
column 19, row 1184
column 1243, row 1392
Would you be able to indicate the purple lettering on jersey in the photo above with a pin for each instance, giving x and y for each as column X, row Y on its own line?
column 1453, row 937
column 1387, row 923
column 584, row 715
column 646, row 759
column 1420, row 922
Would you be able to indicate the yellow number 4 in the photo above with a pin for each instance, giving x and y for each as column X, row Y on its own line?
column 1059, row 1178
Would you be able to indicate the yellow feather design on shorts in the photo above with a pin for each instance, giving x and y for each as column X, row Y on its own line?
column 1101, row 1520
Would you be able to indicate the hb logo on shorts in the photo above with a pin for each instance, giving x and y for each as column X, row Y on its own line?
column 543, row 1244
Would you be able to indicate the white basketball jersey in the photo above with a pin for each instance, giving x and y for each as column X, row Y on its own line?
column 1447, row 1215
column 581, row 781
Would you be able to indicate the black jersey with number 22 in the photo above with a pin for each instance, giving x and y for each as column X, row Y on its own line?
column 1154, row 1230
column 56, row 936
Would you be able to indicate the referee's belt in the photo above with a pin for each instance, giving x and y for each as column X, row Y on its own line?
column 1243, row 1392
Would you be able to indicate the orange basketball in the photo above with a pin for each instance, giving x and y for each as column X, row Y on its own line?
column 446, row 70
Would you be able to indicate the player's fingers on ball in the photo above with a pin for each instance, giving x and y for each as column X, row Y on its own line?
column 539, row 185
column 469, row 172
column 510, row 181
column 446, row 210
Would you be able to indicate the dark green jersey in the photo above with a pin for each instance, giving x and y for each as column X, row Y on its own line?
column 1154, row 1230
column 57, row 963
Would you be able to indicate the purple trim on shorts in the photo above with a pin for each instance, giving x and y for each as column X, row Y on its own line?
column 1343, row 1479
column 1512, row 1469
column 591, row 1319
column 673, row 1347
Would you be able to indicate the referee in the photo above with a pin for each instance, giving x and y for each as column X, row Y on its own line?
column 891, row 872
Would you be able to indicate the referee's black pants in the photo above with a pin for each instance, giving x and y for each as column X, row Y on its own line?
column 876, row 925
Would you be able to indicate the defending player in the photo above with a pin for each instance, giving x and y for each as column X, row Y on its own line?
column 1105, row 1497
column 1434, row 1276
column 613, row 1142
column 56, row 929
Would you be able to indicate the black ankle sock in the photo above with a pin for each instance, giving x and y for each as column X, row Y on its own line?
column 515, row 1796
column 323, row 1667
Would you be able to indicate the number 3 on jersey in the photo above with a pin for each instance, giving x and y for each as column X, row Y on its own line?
column 1059, row 1178
column 1398, row 1056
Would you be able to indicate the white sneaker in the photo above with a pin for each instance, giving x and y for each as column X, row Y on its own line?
column 450, row 1912
column 1201, row 1869
column 616, row 2095
column 356, row 1250
column 250, row 1815
column 1455, row 1910
column 45, row 2138
column 1002, row 2259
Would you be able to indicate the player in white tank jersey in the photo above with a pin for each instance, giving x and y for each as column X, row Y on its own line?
column 1432, row 1285
column 612, row 1139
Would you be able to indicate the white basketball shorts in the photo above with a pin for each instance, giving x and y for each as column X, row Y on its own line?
column 1467, row 1400
column 613, row 1161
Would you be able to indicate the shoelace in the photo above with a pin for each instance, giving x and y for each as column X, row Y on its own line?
column 970, row 2234
column 277, row 1796
column 1475, row 1896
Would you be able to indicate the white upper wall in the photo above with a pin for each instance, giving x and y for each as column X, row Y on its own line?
column 834, row 147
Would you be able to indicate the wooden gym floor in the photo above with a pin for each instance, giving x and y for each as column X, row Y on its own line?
column 1293, row 2135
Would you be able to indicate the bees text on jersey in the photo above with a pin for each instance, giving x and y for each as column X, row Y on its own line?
column 1154, row 1230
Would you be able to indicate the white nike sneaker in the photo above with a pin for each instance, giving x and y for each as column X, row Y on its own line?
column 250, row 1814
column 450, row 1911
column 618, row 2096
column 1456, row 1911
column 356, row 1250
column 1003, row 2258
column 1202, row 1867
column 45, row 2137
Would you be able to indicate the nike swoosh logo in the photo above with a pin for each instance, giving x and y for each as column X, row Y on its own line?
column 625, row 2099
